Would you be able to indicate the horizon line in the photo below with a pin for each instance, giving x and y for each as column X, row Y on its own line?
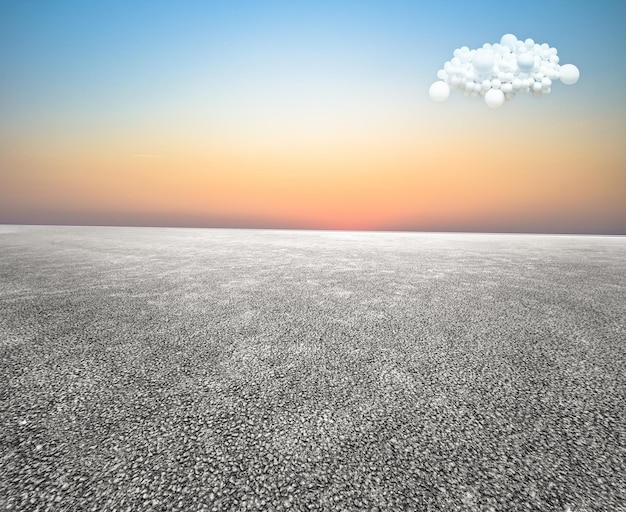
column 257, row 228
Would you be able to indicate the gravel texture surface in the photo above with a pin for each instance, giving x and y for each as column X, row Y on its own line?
column 185, row 369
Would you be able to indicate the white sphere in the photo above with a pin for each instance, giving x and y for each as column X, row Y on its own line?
column 529, row 43
column 439, row 91
column 485, row 85
column 537, row 87
column 525, row 62
column 569, row 74
column 506, row 87
column 483, row 61
column 508, row 40
column 495, row 83
column 494, row 98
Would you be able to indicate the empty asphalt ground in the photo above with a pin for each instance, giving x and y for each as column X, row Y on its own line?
column 186, row 369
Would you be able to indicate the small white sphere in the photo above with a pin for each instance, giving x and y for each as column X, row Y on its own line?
column 529, row 43
column 517, row 84
column 537, row 87
column 508, row 40
column 546, row 91
column 569, row 74
column 485, row 85
column 546, row 82
column 439, row 91
column 507, row 87
column 441, row 74
column 525, row 62
column 494, row 98
column 495, row 83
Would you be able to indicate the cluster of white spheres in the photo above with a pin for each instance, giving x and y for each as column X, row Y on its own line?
column 497, row 72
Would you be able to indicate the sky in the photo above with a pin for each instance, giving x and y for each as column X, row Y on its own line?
column 305, row 115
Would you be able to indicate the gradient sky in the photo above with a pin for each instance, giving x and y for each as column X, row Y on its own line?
column 305, row 115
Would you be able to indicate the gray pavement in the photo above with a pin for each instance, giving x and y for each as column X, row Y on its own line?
column 185, row 369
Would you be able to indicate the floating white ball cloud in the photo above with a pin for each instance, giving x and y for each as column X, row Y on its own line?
column 499, row 71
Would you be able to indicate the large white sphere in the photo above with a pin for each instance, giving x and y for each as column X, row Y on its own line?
column 569, row 74
column 439, row 91
column 483, row 61
column 494, row 98
column 508, row 40
column 525, row 61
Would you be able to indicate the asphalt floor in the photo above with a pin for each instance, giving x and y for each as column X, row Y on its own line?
column 188, row 369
